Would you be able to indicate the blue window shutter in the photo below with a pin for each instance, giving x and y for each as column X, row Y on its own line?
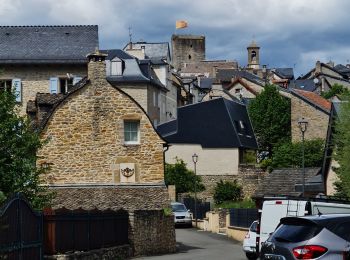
column 53, row 85
column 76, row 80
column 17, row 87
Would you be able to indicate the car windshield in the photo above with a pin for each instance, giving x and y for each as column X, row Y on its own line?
column 178, row 207
column 295, row 233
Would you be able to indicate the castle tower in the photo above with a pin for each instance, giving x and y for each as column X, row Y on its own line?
column 187, row 49
column 253, row 55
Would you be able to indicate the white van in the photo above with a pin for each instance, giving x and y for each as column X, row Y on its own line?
column 275, row 209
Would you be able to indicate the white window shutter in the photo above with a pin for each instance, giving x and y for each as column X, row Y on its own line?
column 53, row 85
column 17, row 87
column 76, row 80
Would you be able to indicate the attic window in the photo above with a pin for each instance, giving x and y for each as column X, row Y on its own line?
column 67, row 33
column 240, row 127
column 7, row 34
column 116, row 68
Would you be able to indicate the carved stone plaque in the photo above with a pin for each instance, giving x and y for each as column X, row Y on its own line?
column 127, row 172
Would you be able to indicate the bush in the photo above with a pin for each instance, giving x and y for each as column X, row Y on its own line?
column 227, row 191
column 242, row 204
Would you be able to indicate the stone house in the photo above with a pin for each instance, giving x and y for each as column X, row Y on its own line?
column 102, row 151
column 220, row 133
column 46, row 59
column 326, row 74
column 314, row 108
column 139, row 80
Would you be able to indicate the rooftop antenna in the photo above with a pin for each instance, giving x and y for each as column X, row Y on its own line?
column 130, row 37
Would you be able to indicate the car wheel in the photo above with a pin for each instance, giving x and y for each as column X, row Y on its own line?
column 251, row 256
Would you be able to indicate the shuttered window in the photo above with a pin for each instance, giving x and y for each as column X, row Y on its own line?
column 116, row 68
column 17, row 87
column 54, row 85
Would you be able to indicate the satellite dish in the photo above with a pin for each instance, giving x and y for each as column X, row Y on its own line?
column 316, row 80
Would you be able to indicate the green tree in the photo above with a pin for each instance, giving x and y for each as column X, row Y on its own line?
column 270, row 116
column 289, row 154
column 336, row 89
column 227, row 191
column 342, row 148
column 18, row 146
column 177, row 174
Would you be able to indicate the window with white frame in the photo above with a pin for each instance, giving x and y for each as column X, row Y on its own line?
column 116, row 68
column 5, row 85
column 131, row 132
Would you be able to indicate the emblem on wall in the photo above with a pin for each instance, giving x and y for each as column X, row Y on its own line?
column 127, row 172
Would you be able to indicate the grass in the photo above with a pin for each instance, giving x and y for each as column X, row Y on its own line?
column 244, row 204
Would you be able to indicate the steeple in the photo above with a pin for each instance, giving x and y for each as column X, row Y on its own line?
column 253, row 55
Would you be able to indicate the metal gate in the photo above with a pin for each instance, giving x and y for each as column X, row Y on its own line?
column 20, row 230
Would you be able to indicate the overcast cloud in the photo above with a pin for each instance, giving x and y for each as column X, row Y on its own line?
column 291, row 33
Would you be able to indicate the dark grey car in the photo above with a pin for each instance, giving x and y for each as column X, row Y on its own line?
column 311, row 237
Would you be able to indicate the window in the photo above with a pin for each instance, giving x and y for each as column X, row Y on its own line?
column 131, row 132
column 5, row 85
column 116, row 68
column 65, row 84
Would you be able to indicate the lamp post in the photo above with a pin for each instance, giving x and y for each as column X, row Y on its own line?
column 195, row 160
column 302, row 122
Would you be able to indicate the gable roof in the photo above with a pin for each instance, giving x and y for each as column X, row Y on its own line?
column 245, row 85
column 217, row 123
column 284, row 181
column 303, row 84
column 47, row 44
column 313, row 99
column 285, row 73
column 228, row 74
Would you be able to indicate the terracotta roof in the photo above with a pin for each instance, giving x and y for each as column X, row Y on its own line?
column 314, row 99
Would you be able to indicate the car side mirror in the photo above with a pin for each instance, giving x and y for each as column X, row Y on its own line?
column 189, row 210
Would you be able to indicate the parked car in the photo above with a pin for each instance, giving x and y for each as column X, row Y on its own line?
column 312, row 237
column 181, row 214
column 249, row 242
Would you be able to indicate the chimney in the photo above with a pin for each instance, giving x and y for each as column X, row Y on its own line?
column 96, row 65
column 318, row 67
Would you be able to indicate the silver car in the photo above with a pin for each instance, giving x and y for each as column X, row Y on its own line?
column 312, row 237
column 181, row 214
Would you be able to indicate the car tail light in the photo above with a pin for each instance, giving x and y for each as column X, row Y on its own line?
column 309, row 252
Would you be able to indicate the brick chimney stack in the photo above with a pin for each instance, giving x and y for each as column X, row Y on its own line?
column 96, row 65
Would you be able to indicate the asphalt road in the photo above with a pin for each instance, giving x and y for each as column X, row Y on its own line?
column 192, row 245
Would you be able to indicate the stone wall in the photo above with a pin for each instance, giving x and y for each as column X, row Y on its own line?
column 111, row 253
column 152, row 233
column 85, row 137
column 249, row 177
column 36, row 78
column 139, row 93
column 318, row 120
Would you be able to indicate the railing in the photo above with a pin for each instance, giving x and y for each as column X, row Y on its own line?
column 80, row 230
column 202, row 207
column 20, row 230
column 243, row 217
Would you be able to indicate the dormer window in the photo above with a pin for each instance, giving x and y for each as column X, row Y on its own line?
column 116, row 68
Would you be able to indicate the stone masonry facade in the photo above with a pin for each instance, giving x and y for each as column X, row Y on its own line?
column 36, row 78
column 318, row 120
column 85, row 136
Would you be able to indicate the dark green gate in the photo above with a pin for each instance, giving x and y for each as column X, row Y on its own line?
column 20, row 230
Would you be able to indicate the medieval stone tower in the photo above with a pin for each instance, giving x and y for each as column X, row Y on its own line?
column 253, row 56
column 187, row 49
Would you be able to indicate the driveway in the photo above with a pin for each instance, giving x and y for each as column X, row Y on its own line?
column 192, row 244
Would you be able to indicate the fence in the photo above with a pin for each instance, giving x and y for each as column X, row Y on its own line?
column 202, row 207
column 20, row 230
column 81, row 230
column 243, row 217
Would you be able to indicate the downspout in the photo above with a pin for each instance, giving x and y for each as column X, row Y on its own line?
column 165, row 148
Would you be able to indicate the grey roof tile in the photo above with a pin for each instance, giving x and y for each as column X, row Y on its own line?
column 47, row 44
column 158, row 50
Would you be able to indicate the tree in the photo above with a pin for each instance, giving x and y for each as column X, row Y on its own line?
column 342, row 148
column 270, row 116
column 18, row 146
column 336, row 89
column 227, row 191
column 289, row 154
column 177, row 174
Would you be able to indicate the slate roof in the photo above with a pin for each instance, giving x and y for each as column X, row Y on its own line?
column 135, row 71
column 47, row 44
column 303, row 84
column 313, row 99
column 155, row 51
column 228, row 74
column 285, row 73
column 212, row 124
column 284, row 181
column 208, row 66
column 205, row 83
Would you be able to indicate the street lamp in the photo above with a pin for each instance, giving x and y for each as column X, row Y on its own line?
column 302, row 122
column 195, row 160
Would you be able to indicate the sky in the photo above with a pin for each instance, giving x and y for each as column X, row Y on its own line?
column 290, row 33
